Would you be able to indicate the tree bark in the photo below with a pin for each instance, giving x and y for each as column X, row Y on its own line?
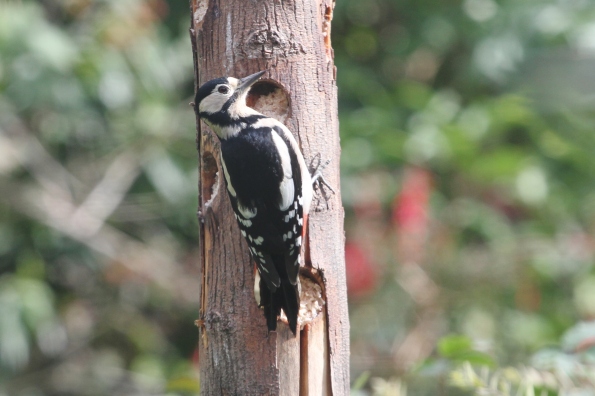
column 291, row 40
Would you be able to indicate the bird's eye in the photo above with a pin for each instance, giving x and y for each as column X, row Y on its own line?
column 223, row 89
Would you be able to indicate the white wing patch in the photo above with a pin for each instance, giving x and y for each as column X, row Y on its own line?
column 289, row 215
column 230, row 188
column 262, row 267
column 287, row 188
column 245, row 223
column 246, row 212
column 306, row 187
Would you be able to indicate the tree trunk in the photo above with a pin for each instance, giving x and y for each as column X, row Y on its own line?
column 291, row 40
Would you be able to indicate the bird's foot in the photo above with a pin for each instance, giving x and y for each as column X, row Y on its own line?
column 318, row 177
column 319, row 180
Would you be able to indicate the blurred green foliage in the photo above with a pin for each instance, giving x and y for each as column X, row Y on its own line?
column 468, row 178
column 493, row 102
column 569, row 370
column 99, row 283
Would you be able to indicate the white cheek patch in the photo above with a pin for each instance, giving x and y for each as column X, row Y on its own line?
column 213, row 103
column 239, row 109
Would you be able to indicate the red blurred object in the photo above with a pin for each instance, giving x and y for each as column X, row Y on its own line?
column 410, row 208
column 411, row 215
column 195, row 359
column 361, row 274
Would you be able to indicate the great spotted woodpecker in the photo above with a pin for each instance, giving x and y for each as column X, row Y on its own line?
column 269, row 186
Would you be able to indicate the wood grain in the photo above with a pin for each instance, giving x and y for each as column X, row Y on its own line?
column 290, row 39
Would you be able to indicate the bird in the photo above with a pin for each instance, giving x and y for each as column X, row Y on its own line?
column 269, row 186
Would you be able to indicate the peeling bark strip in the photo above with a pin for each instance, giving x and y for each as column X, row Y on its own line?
column 291, row 40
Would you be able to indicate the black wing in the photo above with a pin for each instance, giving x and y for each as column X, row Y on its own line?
column 254, row 173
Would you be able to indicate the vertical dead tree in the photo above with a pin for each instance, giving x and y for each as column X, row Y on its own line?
column 291, row 40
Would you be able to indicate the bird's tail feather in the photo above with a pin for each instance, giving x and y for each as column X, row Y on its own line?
column 285, row 297
column 268, row 302
column 291, row 301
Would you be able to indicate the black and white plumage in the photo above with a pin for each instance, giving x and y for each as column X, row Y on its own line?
column 269, row 186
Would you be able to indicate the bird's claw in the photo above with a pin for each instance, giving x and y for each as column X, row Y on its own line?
column 318, row 179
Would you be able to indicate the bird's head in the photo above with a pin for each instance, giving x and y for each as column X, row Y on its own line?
column 221, row 102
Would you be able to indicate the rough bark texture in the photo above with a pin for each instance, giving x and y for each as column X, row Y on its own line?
column 291, row 40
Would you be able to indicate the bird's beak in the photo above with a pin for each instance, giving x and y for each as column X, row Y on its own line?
column 246, row 82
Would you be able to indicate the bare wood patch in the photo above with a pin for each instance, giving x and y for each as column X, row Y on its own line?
column 326, row 29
